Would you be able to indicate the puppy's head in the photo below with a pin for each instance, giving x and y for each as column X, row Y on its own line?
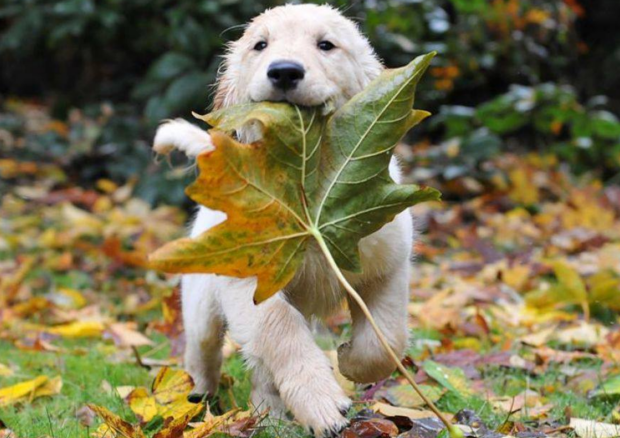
column 308, row 55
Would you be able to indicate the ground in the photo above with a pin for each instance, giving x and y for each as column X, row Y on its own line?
column 514, row 313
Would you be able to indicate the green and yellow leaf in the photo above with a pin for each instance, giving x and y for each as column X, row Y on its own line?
column 312, row 176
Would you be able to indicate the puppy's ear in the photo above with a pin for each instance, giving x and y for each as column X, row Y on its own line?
column 221, row 91
column 226, row 88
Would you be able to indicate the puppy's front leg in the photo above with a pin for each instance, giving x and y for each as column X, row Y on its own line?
column 182, row 135
column 274, row 335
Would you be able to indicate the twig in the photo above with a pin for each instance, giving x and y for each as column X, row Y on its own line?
column 136, row 353
column 454, row 431
column 558, row 429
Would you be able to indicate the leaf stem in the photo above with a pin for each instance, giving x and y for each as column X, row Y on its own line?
column 455, row 432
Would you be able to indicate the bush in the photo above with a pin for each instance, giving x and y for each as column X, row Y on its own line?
column 154, row 59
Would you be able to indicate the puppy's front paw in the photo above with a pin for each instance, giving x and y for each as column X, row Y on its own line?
column 332, row 427
column 320, row 405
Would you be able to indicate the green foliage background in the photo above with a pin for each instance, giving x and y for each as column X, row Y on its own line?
column 511, row 74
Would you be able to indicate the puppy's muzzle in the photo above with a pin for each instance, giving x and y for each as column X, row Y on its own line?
column 285, row 75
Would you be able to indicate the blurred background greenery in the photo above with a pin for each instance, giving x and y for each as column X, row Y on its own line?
column 511, row 75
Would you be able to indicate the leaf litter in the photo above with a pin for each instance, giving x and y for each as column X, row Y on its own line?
column 546, row 341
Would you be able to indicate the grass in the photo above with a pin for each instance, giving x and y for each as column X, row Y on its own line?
column 87, row 368
column 83, row 382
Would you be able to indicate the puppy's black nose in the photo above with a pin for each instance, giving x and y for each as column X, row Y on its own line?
column 285, row 74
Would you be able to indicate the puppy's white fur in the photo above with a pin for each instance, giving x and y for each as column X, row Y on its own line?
column 290, row 371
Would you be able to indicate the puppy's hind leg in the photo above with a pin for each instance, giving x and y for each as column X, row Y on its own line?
column 363, row 359
column 204, row 334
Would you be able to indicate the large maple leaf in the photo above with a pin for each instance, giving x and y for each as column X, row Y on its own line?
column 312, row 176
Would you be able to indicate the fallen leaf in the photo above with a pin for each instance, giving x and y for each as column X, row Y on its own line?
column 539, row 338
column 346, row 384
column 78, row 329
column 583, row 335
column 593, row 429
column 371, row 428
column 114, row 422
column 234, row 423
column 85, row 416
column 30, row 390
column 609, row 387
column 126, row 335
column 407, row 397
column 395, row 411
column 453, row 379
column 167, row 397
column 526, row 399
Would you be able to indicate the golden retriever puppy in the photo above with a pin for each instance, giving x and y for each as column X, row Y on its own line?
column 308, row 55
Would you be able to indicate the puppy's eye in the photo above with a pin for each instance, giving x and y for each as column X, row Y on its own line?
column 326, row 45
column 261, row 45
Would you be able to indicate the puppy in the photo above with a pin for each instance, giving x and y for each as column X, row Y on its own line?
column 307, row 55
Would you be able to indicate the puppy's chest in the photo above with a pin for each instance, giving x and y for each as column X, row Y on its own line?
column 315, row 289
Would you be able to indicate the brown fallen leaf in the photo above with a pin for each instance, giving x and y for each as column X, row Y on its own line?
column 371, row 428
column 174, row 427
column 526, row 399
column 234, row 423
column 85, row 416
column 547, row 354
column 126, row 335
column 116, row 424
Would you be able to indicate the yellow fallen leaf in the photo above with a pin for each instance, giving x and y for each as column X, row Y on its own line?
column 516, row 276
column 104, row 431
column 167, row 398
column 144, row 406
column 605, row 289
column 523, row 190
column 393, row 411
column 573, row 286
column 594, row 429
column 79, row 329
column 51, row 387
column 346, row 384
column 27, row 391
column 405, row 396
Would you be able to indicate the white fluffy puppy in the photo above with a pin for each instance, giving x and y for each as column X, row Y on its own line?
column 308, row 55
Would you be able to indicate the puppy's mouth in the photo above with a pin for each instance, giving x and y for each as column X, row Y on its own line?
column 327, row 104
